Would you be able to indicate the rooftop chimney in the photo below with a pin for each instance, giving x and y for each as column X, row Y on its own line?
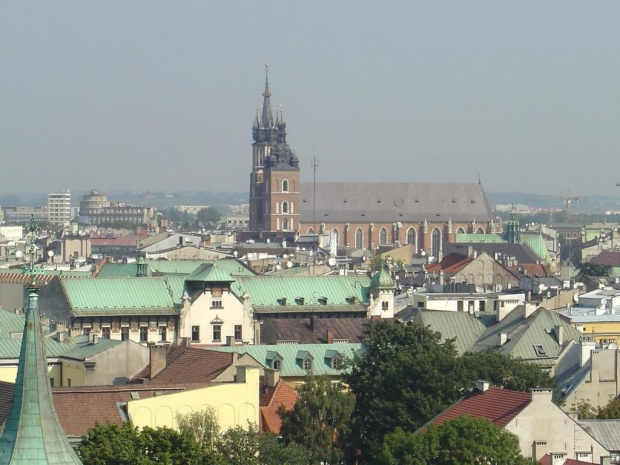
column 330, row 336
column 271, row 377
column 313, row 324
column 157, row 359
column 502, row 338
column 558, row 330
column 483, row 386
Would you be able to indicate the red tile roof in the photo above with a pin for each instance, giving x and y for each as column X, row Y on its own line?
column 79, row 408
column 270, row 401
column 451, row 264
column 498, row 405
column 532, row 269
column 189, row 364
column 608, row 258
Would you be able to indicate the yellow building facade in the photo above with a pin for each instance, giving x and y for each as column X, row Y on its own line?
column 235, row 404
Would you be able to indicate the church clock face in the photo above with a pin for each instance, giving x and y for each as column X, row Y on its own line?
column 398, row 203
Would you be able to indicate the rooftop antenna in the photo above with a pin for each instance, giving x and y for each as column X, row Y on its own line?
column 315, row 165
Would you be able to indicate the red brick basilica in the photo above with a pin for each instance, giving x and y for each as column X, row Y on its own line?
column 358, row 215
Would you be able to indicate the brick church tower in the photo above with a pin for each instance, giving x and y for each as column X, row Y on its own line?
column 274, row 181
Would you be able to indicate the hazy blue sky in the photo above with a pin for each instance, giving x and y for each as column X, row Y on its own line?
column 161, row 95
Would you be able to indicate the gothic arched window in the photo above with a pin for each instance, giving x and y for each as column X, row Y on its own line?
column 460, row 231
column 285, row 224
column 435, row 242
column 310, row 231
column 480, row 231
column 285, row 186
column 284, row 207
column 411, row 236
column 359, row 239
column 335, row 235
column 383, row 236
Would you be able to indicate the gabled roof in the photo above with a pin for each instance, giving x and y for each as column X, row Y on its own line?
column 498, row 405
column 299, row 329
column 607, row 432
column 547, row 459
column 267, row 293
column 188, row 365
column 210, row 272
column 608, row 258
column 522, row 252
column 461, row 326
column 532, row 339
column 451, row 264
column 120, row 296
column 292, row 354
column 270, row 401
column 389, row 202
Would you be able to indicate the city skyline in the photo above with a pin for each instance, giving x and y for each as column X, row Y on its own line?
column 128, row 98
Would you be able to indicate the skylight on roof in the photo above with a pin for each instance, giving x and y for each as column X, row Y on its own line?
column 540, row 350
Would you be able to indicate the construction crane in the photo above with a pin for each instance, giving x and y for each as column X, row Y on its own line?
column 569, row 199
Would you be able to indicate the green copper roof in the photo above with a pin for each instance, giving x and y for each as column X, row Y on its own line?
column 210, row 272
column 10, row 323
column 304, row 293
column 32, row 433
column 382, row 279
column 292, row 356
column 171, row 267
column 120, row 296
column 537, row 244
column 479, row 238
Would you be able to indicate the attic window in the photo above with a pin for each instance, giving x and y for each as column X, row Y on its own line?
column 326, row 214
column 323, row 300
column 363, row 214
column 472, row 201
column 282, row 301
column 345, row 200
column 378, row 200
column 453, row 200
column 299, row 300
column 304, row 200
column 417, row 201
column 540, row 350
column 351, row 300
column 276, row 364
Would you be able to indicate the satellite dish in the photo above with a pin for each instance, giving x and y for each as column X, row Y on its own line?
column 50, row 253
column 235, row 253
column 331, row 261
column 19, row 254
column 289, row 264
column 285, row 256
column 278, row 267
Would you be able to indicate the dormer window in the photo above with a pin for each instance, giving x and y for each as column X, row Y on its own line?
column 282, row 301
column 540, row 350
column 350, row 300
column 274, row 360
column 304, row 358
column 333, row 359
column 323, row 300
column 299, row 300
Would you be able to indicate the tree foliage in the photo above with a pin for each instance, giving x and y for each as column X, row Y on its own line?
column 592, row 269
column 208, row 215
column 461, row 441
column 111, row 444
column 319, row 421
column 407, row 376
column 504, row 371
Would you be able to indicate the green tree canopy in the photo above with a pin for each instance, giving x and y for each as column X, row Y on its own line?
column 407, row 376
column 504, row 371
column 319, row 421
column 461, row 441
column 404, row 378
column 208, row 215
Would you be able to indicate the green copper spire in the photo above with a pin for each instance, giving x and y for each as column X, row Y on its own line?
column 32, row 433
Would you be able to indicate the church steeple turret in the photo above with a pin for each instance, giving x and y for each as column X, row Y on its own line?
column 267, row 117
column 32, row 433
